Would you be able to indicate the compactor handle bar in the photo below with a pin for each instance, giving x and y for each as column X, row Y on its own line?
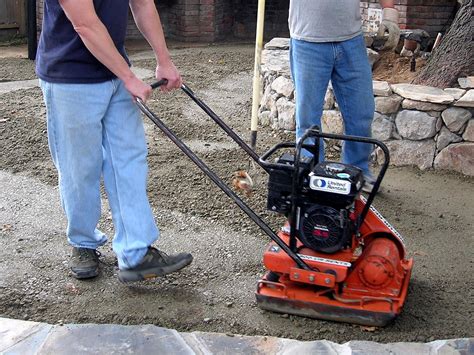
column 217, row 120
column 190, row 154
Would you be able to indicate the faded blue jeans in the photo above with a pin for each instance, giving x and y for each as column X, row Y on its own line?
column 94, row 131
column 346, row 65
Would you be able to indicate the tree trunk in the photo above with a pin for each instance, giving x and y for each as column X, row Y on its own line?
column 454, row 57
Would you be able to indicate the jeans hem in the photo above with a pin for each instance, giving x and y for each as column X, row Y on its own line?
column 125, row 263
column 88, row 245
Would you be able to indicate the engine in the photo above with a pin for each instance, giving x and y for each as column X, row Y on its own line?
column 324, row 200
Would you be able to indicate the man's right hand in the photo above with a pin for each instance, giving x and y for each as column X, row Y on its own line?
column 137, row 88
column 167, row 70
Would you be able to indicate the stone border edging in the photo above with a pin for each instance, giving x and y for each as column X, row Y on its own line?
column 25, row 337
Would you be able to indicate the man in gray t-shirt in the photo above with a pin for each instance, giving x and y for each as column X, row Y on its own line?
column 327, row 45
column 324, row 20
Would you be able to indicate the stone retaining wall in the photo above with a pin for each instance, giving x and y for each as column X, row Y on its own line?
column 422, row 126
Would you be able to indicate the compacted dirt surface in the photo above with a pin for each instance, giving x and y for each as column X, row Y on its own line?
column 433, row 210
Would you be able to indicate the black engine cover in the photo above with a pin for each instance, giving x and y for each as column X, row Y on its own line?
column 335, row 184
column 324, row 229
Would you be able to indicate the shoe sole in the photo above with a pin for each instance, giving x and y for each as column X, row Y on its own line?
column 89, row 274
column 127, row 276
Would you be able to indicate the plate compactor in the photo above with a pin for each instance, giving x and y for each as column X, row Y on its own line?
column 336, row 257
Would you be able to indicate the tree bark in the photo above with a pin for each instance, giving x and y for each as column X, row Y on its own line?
column 454, row 57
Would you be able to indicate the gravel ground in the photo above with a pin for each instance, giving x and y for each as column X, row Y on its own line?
column 432, row 210
column 13, row 69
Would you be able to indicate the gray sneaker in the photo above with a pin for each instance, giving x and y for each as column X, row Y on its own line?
column 155, row 263
column 84, row 263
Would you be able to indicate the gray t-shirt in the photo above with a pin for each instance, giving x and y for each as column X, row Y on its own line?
column 324, row 20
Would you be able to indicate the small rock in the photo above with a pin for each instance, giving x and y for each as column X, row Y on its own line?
column 455, row 118
column 454, row 92
column 458, row 157
column 469, row 132
column 265, row 118
column 207, row 320
column 382, row 127
column 278, row 43
column 422, row 106
column 467, row 100
column 283, row 86
column 436, row 114
column 381, row 88
column 415, row 125
column 466, row 83
column 386, row 105
column 286, row 114
column 332, row 122
column 445, row 138
column 329, row 100
column 407, row 152
column 422, row 93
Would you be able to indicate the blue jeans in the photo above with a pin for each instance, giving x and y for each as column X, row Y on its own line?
column 94, row 131
column 347, row 66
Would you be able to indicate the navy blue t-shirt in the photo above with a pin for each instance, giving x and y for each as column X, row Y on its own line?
column 62, row 57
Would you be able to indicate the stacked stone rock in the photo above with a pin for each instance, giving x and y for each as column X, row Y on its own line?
column 426, row 126
column 422, row 126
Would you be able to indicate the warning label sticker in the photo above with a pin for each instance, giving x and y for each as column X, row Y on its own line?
column 325, row 261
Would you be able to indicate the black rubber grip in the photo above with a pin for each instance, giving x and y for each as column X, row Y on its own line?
column 159, row 83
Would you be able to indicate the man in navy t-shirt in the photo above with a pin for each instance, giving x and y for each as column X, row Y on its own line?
column 95, row 129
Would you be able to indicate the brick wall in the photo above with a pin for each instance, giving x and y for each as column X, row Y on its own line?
column 39, row 16
column 276, row 18
column 224, row 18
column 211, row 20
column 196, row 20
column 432, row 16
